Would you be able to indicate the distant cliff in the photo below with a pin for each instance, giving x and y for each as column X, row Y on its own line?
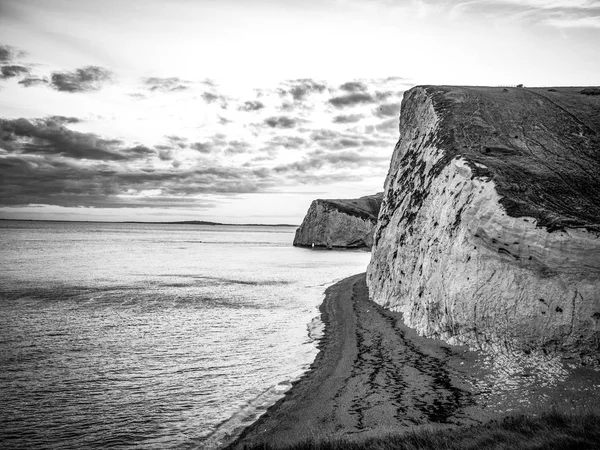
column 489, row 232
column 339, row 223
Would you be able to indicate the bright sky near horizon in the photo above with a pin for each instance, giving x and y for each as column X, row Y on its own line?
column 244, row 111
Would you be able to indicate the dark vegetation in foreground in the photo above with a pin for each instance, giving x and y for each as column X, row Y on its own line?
column 551, row 430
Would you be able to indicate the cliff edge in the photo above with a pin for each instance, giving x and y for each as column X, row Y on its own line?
column 348, row 223
column 489, row 231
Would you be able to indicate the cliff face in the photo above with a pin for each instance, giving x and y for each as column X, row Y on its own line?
column 340, row 223
column 489, row 231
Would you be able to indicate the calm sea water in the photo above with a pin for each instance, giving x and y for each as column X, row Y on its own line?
column 152, row 336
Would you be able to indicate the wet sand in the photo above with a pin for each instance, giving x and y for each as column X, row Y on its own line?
column 373, row 375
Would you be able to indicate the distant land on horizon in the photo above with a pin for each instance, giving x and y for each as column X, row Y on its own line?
column 181, row 222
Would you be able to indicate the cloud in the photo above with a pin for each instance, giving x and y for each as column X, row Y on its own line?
column 12, row 71
column 7, row 68
column 281, row 122
column 349, row 118
column 321, row 167
column 356, row 98
column 172, row 84
column 288, row 142
column 353, row 86
column 164, row 154
column 553, row 13
column 64, row 119
column 69, row 182
column 9, row 53
column 388, row 125
column 209, row 97
column 202, row 147
column 177, row 141
column 6, row 53
column 324, row 134
column 352, row 158
column 212, row 97
column 251, row 105
column 573, row 22
column 334, row 140
column 388, row 110
column 51, row 137
column 237, row 147
column 300, row 89
column 85, row 79
column 33, row 81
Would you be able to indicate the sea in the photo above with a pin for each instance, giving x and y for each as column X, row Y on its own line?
column 153, row 336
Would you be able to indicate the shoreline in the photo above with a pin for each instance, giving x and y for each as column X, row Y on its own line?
column 273, row 414
column 350, row 390
column 374, row 376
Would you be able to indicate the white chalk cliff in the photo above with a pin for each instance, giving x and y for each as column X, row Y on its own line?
column 347, row 223
column 489, row 231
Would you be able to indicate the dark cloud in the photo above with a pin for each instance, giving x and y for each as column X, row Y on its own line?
column 67, row 182
column 354, row 86
column 388, row 110
column 138, row 151
column 301, row 88
column 64, row 119
column 220, row 143
column 174, row 138
column 12, row 71
column 85, row 79
column 9, row 53
column 164, row 154
column 379, row 95
column 51, row 137
column 281, row 122
column 33, row 81
column 209, row 97
column 356, row 98
column 202, row 147
column 349, row 118
column 177, row 141
column 251, row 105
column 172, row 84
column 6, row 53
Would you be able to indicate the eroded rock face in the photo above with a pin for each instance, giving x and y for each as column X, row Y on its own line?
column 489, row 231
column 340, row 223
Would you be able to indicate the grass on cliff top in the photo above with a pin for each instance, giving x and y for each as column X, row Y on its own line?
column 551, row 430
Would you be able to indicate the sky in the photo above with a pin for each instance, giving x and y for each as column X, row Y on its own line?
column 244, row 111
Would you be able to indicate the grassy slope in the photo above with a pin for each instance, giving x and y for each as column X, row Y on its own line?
column 541, row 146
column 363, row 207
column 551, row 430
